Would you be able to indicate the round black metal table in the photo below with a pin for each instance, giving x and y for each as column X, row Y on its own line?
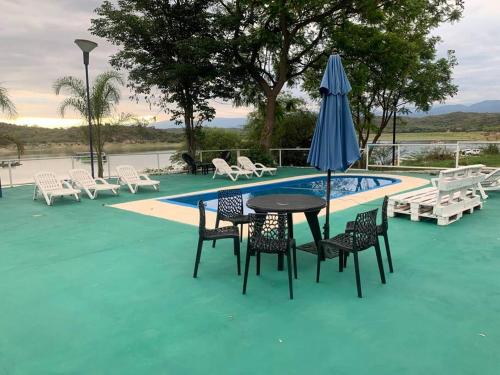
column 291, row 203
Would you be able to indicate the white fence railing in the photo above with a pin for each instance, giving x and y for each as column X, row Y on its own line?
column 391, row 156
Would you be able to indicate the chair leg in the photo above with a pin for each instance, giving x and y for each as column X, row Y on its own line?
column 341, row 260
column 258, row 262
column 245, row 277
column 318, row 262
column 358, row 278
column 295, row 260
column 379, row 261
column 289, row 267
column 241, row 233
column 198, row 257
column 237, row 250
column 346, row 254
column 388, row 251
column 216, row 226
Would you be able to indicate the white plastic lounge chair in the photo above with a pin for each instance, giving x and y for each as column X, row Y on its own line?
column 48, row 185
column 127, row 175
column 82, row 179
column 452, row 194
column 257, row 168
column 491, row 180
column 222, row 168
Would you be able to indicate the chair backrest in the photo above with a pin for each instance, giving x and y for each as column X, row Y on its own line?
column 82, row 177
column 203, row 221
column 385, row 221
column 246, row 163
column 491, row 178
column 268, row 233
column 47, row 181
column 225, row 155
column 221, row 165
column 188, row 159
column 461, row 178
column 127, row 173
column 365, row 230
column 229, row 203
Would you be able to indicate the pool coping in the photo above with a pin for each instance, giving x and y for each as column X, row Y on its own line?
column 189, row 215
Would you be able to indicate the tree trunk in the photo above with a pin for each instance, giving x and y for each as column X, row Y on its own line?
column 99, row 148
column 270, row 120
column 190, row 136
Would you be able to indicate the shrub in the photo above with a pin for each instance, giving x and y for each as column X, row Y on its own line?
column 491, row 149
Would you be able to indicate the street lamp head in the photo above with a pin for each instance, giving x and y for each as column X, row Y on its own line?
column 85, row 45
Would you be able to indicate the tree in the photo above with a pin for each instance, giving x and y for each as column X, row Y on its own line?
column 104, row 96
column 294, row 123
column 6, row 105
column 271, row 44
column 392, row 64
column 171, row 52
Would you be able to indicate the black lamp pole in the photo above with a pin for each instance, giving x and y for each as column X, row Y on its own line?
column 394, row 133
column 86, row 46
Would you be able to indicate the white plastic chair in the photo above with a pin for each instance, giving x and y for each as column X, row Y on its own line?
column 257, row 168
column 48, row 185
column 127, row 175
column 232, row 171
column 82, row 179
column 491, row 180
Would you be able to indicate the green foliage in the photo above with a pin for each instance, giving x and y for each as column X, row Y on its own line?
column 171, row 51
column 260, row 155
column 294, row 126
column 392, row 64
column 104, row 96
column 491, row 149
column 219, row 139
column 6, row 105
column 270, row 44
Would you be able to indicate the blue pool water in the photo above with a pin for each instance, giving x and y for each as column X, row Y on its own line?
column 341, row 186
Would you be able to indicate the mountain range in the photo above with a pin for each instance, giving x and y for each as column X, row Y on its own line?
column 486, row 106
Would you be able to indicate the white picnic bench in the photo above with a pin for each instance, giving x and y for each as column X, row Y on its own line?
column 452, row 194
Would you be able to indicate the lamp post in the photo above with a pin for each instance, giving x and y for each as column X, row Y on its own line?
column 86, row 46
column 394, row 132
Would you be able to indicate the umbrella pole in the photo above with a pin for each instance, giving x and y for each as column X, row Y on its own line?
column 326, row 228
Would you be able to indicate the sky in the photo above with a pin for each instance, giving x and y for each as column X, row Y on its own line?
column 36, row 48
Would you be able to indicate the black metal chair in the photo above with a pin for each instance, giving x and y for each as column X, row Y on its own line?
column 381, row 231
column 268, row 233
column 195, row 165
column 212, row 234
column 363, row 236
column 230, row 208
column 226, row 155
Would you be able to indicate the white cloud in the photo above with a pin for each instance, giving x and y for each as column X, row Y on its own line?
column 475, row 39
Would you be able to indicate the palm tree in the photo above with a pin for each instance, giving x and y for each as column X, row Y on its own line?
column 7, row 106
column 104, row 96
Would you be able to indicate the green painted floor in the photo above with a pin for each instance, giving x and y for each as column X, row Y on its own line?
column 88, row 289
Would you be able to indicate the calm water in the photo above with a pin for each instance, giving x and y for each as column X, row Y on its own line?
column 341, row 186
column 24, row 173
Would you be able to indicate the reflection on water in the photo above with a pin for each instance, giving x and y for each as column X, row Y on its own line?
column 340, row 186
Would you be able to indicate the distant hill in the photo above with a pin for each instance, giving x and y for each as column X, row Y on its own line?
column 486, row 106
column 454, row 122
column 218, row 122
column 123, row 134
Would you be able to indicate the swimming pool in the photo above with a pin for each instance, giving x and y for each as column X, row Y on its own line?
column 341, row 186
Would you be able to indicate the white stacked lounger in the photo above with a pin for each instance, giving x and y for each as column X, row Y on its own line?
column 452, row 194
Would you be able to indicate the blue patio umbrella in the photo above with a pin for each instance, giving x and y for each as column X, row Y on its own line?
column 334, row 146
